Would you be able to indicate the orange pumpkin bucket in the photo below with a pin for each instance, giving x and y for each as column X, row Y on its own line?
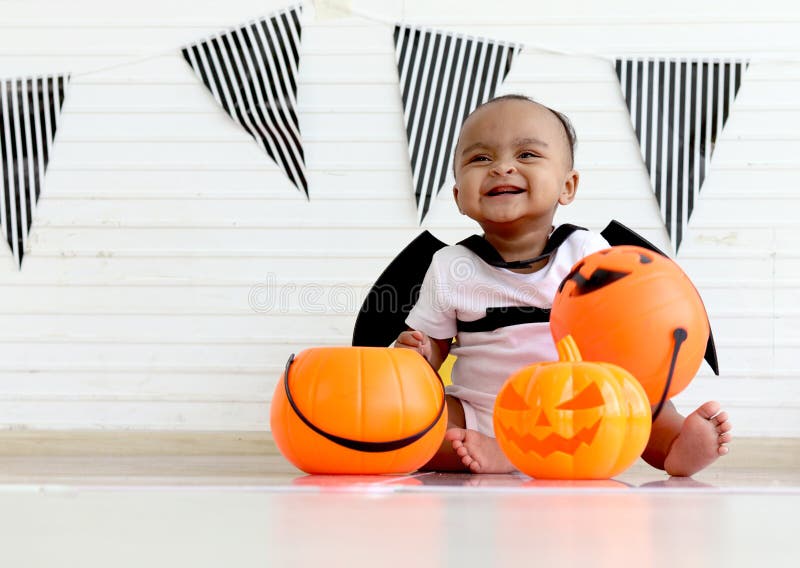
column 358, row 410
column 637, row 309
column 571, row 419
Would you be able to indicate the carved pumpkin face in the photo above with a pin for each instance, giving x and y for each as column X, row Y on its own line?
column 571, row 419
column 623, row 305
column 358, row 410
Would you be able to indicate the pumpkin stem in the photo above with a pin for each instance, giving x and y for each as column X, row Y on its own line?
column 568, row 349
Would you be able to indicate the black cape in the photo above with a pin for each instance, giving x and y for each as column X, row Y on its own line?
column 383, row 314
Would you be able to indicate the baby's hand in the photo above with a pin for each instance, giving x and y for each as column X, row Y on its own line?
column 416, row 340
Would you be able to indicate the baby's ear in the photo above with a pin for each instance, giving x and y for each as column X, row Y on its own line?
column 570, row 188
column 455, row 196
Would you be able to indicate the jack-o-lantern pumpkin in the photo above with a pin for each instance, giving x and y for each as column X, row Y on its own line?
column 637, row 309
column 572, row 419
column 358, row 410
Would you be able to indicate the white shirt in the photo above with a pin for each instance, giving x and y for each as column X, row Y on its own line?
column 460, row 286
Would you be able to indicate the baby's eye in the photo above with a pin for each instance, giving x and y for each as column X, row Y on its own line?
column 479, row 158
column 527, row 154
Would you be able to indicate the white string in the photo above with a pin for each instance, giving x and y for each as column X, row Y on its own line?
column 570, row 53
column 527, row 46
column 125, row 63
column 170, row 51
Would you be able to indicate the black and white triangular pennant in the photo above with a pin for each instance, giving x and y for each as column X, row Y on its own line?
column 252, row 73
column 678, row 109
column 443, row 77
column 29, row 115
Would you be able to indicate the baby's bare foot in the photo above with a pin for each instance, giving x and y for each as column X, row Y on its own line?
column 703, row 438
column 478, row 452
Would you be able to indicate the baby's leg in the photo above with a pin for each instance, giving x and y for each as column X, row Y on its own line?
column 466, row 450
column 702, row 439
column 446, row 458
column 683, row 447
column 478, row 452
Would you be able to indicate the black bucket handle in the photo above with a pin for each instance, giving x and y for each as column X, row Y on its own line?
column 358, row 445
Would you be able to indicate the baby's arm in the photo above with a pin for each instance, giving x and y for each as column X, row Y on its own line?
column 434, row 350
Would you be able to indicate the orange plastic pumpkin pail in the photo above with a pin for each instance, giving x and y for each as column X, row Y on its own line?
column 637, row 309
column 572, row 419
column 358, row 410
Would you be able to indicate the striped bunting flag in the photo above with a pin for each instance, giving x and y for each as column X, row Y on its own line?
column 251, row 71
column 678, row 109
column 29, row 115
column 443, row 78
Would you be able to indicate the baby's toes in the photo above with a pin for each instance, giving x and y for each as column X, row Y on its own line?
column 475, row 467
column 722, row 450
column 720, row 418
column 461, row 451
column 709, row 410
column 725, row 438
column 724, row 427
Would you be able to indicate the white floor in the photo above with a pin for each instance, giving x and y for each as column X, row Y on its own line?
column 239, row 511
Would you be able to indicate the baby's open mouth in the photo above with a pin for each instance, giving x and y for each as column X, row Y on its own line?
column 505, row 191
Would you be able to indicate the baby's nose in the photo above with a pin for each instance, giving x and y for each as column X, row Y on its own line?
column 504, row 167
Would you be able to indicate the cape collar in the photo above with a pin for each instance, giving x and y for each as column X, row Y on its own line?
column 487, row 253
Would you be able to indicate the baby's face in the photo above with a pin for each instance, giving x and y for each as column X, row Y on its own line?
column 512, row 163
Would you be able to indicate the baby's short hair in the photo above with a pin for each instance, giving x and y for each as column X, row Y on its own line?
column 569, row 130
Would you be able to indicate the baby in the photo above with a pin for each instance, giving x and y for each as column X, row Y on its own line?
column 513, row 167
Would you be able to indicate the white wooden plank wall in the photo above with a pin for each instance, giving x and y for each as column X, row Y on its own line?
column 161, row 224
